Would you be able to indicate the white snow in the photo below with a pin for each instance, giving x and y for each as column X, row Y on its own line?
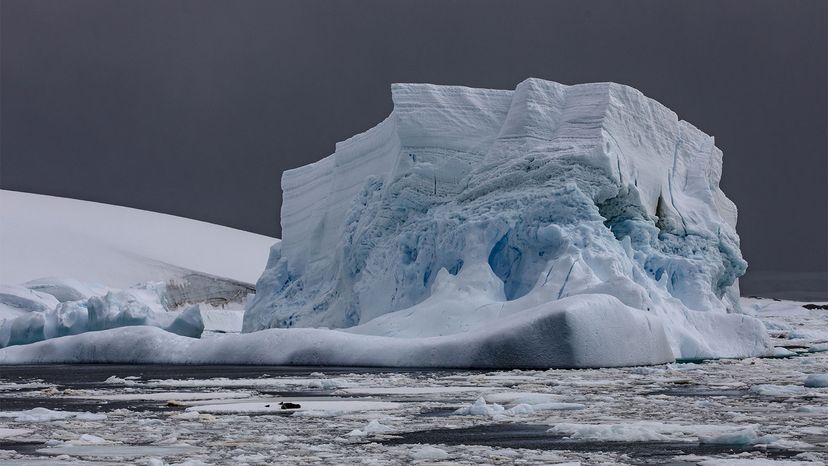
column 46, row 236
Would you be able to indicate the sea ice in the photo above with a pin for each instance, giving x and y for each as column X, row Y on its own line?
column 650, row 431
column 817, row 380
column 428, row 452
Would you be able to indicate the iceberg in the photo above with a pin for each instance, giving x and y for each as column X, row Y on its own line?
column 50, row 308
column 467, row 210
column 549, row 226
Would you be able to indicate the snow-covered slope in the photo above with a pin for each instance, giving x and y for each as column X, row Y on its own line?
column 69, row 267
column 46, row 236
column 467, row 208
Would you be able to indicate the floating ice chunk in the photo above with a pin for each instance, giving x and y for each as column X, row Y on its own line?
column 633, row 432
column 515, row 398
column 91, row 417
column 428, row 452
column 817, row 380
column 818, row 348
column 812, row 409
column 778, row 390
column 373, row 427
column 10, row 433
column 780, row 352
column 48, row 415
column 481, row 408
column 558, row 406
column 520, row 409
column 743, row 436
column 88, row 439
column 651, row 431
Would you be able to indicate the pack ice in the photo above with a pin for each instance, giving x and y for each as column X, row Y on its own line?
column 550, row 226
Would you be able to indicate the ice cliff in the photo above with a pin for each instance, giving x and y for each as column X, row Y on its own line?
column 560, row 213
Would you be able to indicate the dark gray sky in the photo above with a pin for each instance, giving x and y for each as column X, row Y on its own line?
column 195, row 108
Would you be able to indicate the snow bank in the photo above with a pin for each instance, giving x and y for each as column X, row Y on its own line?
column 46, row 236
column 466, row 208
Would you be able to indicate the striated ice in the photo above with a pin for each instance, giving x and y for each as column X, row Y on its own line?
column 467, row 208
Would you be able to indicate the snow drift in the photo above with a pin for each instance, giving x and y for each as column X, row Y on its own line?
column 467, row 208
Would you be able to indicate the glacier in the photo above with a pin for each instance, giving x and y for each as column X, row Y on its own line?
column 467, row 210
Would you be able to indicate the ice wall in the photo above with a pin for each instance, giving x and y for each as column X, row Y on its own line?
column 467, row 207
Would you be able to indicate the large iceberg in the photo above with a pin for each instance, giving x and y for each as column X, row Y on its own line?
column 549, row 226
column 482, row 214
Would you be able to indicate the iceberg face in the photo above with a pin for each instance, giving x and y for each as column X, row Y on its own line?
column 466, row 209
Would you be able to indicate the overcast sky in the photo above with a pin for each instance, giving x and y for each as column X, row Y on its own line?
column 195, row 108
